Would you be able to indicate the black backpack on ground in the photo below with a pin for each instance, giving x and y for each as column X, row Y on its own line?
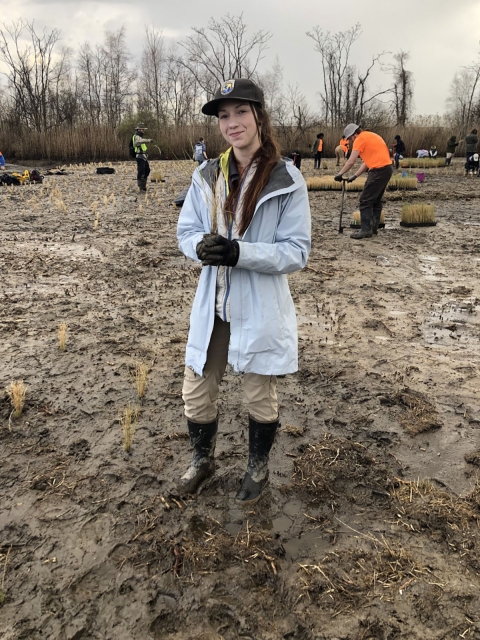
column 7, row 180
column 131, row 149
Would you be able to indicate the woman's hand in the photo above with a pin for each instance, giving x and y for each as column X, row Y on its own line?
column 215, row 250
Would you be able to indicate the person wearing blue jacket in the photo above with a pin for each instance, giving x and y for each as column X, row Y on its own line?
column 246, row 218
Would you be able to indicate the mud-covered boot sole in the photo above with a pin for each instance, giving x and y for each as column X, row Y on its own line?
column 250, row 491
column 196, row 477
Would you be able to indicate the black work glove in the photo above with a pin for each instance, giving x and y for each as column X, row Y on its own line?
column 351, row 178
column 215, row 250
column 338, row 177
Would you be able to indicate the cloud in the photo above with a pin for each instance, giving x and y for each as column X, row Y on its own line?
column 439, row 34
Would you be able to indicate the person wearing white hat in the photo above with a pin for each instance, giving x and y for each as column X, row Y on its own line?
column 375, row 156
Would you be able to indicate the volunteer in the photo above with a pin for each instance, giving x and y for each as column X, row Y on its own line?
column 375, row 157
column 317, row 150
column 140, row 147
column 246, row 218
column 398, row 150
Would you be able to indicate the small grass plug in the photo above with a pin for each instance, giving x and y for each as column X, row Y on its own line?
column 128, row 421
column 141, row 373
column 62, row 336
column 16, row 391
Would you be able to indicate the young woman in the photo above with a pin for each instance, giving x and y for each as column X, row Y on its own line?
column 246, row 218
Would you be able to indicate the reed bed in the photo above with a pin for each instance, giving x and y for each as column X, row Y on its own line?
column 418, row 213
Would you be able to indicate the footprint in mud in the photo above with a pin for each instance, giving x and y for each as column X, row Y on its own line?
column 80, row 449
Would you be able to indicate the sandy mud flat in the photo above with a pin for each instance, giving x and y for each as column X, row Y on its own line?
column 370, row 526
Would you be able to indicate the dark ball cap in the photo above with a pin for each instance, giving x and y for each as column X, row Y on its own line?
column 237, row 89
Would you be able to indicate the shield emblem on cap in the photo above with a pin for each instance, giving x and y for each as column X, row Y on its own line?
column 227, row 87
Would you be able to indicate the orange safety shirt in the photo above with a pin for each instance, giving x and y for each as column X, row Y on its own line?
column 373, row 150
column 344, row 144
column 320, row 145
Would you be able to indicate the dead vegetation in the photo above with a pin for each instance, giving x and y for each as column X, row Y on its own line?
column 334, row 467
column 209, row 547
column 430, row 507
column 348, row 577
column 420, row 414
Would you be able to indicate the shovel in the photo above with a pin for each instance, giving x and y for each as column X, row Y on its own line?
column 340, row 228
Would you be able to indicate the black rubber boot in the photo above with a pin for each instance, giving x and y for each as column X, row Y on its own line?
column 261, row 436
column 366, row 220
column 377, row 214
column 142, row 185
column 203, row 438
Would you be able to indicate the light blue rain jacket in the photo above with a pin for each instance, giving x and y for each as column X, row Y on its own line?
column 263, row 327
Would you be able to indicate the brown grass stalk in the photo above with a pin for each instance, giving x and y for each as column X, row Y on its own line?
column 128, row 421
column 141, row 373
column 62, row 336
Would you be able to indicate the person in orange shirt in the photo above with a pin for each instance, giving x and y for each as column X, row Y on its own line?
column 375, row 157
column 317, row 150
column 341, row 150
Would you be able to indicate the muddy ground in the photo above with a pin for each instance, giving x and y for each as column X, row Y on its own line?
column 370, row 526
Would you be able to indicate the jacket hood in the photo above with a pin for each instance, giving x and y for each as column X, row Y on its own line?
column 284, row 178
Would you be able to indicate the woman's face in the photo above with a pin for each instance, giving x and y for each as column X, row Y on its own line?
column 238, row 126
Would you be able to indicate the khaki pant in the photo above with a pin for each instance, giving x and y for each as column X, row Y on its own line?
column 200, row 394
column 339, row 155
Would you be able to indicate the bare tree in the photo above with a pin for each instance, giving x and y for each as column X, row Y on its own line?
column 222, row 51
column 345, row 95
column 153, row 66
column 118, row 76
column 402, row 88
column 29, row 70
column 461, row 99
column 106, row 78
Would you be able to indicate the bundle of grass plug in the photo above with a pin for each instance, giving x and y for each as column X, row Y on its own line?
column 355, row 223
column 327, row 183
column 422, row 163
column 418, row 215
column 157, row 176
column 404, row 184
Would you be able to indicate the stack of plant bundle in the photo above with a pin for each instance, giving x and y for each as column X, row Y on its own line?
column 422, row 163
column 399, row 183
column 418, row 215
column 356, row 224
column 327, row 183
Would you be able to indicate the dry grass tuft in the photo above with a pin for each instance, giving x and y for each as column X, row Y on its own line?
column 293, row 431
column 16, row 391
column 62, row 336
column 420, row 415
column 327, row 183
column 157, row 176
column 418, row 213
column 128, row 421
column 397, row 183
column 141, row 373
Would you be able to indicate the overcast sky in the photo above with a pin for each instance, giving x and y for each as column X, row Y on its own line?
column 440, row 35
